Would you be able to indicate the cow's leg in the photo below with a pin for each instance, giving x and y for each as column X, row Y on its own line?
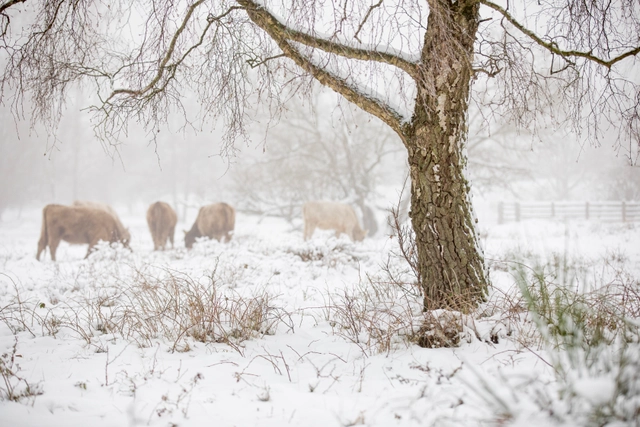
column 161, row 243
column 308, row 230
column 53, row 247
column 351, row 235
column 42, row 245
column 91, row 248
column 171, row 233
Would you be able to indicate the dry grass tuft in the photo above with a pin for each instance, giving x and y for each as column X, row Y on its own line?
column 156, row 304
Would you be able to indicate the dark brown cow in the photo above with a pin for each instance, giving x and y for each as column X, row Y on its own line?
column 331, row 216
column 162, row 221
column 214, row 221
column 123, row 232
column 76, row 225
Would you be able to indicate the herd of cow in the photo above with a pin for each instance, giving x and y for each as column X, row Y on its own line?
column 89, row 222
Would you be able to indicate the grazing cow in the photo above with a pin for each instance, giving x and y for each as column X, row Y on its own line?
column 123, row 232
column 76, row 225
column 162, row 221
column 331, row 216
column 214, row 221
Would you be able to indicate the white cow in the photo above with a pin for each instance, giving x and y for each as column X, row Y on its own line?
column 331, row 216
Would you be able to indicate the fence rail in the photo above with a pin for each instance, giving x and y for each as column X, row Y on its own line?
column 601, row 211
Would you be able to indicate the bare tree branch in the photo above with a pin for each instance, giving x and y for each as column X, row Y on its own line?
column 171, row 68
column 282, row 36
column 10, row 3
column 553, row 47
column 286, row 33
column 253, row 63
column 364, row 20
column 6, row 19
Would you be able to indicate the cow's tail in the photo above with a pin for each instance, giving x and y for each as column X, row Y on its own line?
column 231, row 217
column 44, row 234
column 229, row 221
column 153, row 225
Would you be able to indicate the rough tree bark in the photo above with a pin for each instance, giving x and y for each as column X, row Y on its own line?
column 449, row 256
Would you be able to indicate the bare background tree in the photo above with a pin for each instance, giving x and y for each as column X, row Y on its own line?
column 411, row 63
column 320, row 151
column 550, row 165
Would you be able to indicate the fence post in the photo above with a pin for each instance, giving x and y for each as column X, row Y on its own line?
column 501, row 213
column 586, row 210
column 517, row 212
column 553, row 210
column 624, row 212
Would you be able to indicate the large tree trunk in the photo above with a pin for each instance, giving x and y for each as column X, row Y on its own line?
column 451, row 264
column 450, row 261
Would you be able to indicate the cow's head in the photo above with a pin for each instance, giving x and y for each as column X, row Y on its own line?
column 189, row 238
column 125, row 239
column 359, row 234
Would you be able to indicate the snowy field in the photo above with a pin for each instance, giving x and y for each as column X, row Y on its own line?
column 269, row 330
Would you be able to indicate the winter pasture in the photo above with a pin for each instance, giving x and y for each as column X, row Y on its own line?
column 270, row 330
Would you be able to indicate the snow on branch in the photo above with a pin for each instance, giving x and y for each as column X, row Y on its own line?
column 267, row 19
column 284, row 37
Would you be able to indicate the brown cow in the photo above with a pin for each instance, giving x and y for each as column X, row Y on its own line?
column 123, row 232
column 162, row 221
column 76, row 225
column 331, row 216
column 214, row 221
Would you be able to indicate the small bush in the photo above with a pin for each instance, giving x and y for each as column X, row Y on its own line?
column 13, row 386
column 590, row 336
column 375, row 315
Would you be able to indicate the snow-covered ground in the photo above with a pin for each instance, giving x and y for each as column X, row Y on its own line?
column 120, row 339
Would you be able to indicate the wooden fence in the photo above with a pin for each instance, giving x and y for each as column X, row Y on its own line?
column 600, row 211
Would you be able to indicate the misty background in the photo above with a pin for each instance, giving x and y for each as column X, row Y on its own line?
column 323, row 148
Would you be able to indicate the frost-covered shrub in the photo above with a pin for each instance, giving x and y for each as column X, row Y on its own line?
column 589, row 334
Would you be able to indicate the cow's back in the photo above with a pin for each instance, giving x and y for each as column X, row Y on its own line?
column 80, row 225
column 162, row 220
column 216, row 221
column 161, row 215
column 96, row 205
column 211, row 219
column 123, row 233
column 331, row 216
